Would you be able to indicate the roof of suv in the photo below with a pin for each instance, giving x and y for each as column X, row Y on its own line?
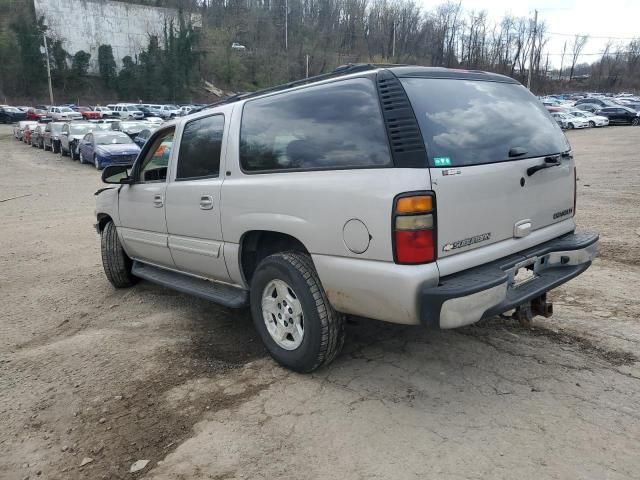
column 353, row 70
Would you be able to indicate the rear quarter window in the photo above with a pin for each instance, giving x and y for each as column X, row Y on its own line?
column 332, row 126
column 471, row 122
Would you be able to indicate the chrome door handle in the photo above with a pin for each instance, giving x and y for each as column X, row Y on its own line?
column 157, row 201
column 206, row 202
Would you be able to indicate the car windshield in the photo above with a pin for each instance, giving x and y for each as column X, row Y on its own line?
column 56, row 128
column 11, row 109
column 172, row 107
column 65, row 109
column 132, row 109
column 111, row 138
column 473, row 122
column 80, row 129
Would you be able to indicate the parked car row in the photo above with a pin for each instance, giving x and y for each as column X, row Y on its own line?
column 593, row 109
column 101, row 142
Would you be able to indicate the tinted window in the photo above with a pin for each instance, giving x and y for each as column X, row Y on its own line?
column 338, row 125
column 200, row 148
column 469, row 122
column 154, row 165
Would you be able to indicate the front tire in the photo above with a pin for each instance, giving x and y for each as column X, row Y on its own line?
column 571, row 127
column 117, row 265
column 81, row 158
column 292, row 314
column 96, row 162
column 592, row 124
column 635, row 122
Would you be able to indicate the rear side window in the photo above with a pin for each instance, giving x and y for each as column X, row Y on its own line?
column 200, row 148
column 338, row 125
column 471, row 122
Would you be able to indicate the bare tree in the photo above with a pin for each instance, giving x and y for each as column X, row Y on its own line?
column 578, row 44
column 564, row 52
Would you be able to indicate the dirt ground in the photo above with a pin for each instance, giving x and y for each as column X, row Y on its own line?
column 88, row 372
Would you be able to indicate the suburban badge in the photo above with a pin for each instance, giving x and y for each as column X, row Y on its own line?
column 466, row 242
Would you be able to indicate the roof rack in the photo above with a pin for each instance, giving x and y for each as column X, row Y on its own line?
column 338, row 72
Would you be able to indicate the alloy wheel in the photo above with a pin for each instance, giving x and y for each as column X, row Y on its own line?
column 282, row 314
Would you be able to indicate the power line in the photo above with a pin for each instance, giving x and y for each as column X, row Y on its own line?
column 592, row 36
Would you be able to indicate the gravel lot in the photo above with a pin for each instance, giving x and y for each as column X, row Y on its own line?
column 87, row 372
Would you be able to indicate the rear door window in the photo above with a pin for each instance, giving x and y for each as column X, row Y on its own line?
column 332, row 126
column 471, row 122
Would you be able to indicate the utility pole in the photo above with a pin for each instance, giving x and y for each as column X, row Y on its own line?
column 286, row 24
column 533, row 44
column 46, row 54
column 393, row 43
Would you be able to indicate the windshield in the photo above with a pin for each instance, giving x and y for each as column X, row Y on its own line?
column 112, row 138
column 132, row 109
column 65, row 109
column 171, row 107
column 470, row 122
column 11, row 109
column 56, row 128
column 80, row 129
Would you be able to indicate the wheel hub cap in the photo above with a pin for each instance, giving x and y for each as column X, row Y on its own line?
column 282, row 314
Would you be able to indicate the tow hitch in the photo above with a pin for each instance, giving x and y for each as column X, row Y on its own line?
column 538, row 306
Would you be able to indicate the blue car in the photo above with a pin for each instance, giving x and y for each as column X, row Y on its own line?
column 104, row 148
column 143, row 136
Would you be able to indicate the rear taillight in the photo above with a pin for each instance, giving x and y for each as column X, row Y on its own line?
column 414, row 228
column 575, row 189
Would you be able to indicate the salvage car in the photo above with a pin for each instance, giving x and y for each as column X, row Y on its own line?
column 63, row 114
column 51, row 136
column 104, row 148
column 130, row 128
column 371, row 191
column 594, row 120
column 88, row 114
column 18, row 128
column 37, row 136
column 11, row 114
column 71, row 134
column 620, row 115
column 143, row 136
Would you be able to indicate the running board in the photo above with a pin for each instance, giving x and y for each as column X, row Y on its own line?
column 223, row 294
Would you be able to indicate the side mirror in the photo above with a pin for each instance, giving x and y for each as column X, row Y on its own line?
column 118, row 174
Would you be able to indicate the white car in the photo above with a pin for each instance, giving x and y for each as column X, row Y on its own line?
column 566, row 120
column 592, row 119
column 127, row 111
column 61, row 114
column 237, row 46
column 169, row 111
column 104, row 111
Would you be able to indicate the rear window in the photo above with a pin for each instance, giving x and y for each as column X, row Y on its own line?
column 471, row 122
column 332, row 126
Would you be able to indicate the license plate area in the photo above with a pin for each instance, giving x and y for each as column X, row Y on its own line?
column 523, row 273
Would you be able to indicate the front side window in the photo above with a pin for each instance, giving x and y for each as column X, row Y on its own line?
column 155, row 163
column 200, row 148
column 473, row 122
column 337, row 125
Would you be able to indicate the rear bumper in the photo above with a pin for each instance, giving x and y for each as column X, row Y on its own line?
column 466, row 297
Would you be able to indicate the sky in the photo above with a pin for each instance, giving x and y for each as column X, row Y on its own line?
column 597, row 18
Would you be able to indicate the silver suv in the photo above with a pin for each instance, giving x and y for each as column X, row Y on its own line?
column 413, row 195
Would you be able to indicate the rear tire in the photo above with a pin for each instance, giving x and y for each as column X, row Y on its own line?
column 323, row 333
column 117, row 265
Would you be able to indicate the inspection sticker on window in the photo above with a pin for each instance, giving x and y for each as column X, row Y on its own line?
column 442, row 161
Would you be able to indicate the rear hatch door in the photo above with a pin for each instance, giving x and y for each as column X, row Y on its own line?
column 500, row 165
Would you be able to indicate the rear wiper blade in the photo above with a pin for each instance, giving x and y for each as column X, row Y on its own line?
column 553, row 161
column 517, row 152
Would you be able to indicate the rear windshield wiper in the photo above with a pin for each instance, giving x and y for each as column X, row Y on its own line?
column 517, row 152
column 553, row 161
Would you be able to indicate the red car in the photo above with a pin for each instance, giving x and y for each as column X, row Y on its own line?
column 36, row 114
column 88, row 113
column 27, row 132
